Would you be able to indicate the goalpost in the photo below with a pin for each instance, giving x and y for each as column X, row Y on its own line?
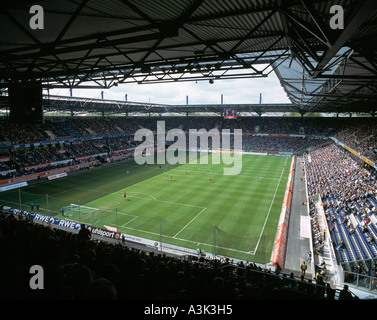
column 81, row 213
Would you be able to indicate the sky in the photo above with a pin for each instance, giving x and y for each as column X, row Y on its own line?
column 234, row 91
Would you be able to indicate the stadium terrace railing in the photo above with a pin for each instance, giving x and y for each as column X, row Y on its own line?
column 361, row 281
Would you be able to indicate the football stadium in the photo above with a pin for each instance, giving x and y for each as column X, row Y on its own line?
column 104, row 198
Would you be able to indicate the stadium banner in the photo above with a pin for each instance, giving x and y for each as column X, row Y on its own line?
column 255, row 153
column 278, row 135
column 13, row 186
column 48, row 164
column 133, row 239
column 63, row 223
column 180, row 251
column 67, row 224
column 111, row 228
column 118, row 157
column 355, row 153
column 47, row 173
column 278, row 254
column 122, row 150
column 57, row 176
column 351, row 150
column 3, row 173
column 369, row 162
column 22, row 178
column 55, row 221
column 279, row 154
column 299, row 136
column 104, row 233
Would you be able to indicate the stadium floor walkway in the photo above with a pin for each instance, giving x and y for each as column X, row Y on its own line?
column 298, row 242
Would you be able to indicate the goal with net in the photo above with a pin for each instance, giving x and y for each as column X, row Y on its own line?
column 80, row 213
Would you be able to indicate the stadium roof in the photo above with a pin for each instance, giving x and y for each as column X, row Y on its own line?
column 59, row 104
column 107, row 43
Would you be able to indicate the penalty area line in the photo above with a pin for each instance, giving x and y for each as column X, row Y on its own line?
column 189, row 222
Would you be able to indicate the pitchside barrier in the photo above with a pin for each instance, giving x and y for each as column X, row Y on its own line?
column 111, row 234
column 278, row 254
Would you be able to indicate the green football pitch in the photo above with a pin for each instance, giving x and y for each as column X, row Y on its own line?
column 231, row 215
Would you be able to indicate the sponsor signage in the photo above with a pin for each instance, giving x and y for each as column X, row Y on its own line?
column 56, row 176
column 104, row 233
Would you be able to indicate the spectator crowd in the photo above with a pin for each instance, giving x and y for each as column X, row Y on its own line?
column 96, row 137
column 78, row 267
column 348, row 190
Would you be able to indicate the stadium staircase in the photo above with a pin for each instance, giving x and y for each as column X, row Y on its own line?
column 91, row 132
column 325, row 257
column 50, row 135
